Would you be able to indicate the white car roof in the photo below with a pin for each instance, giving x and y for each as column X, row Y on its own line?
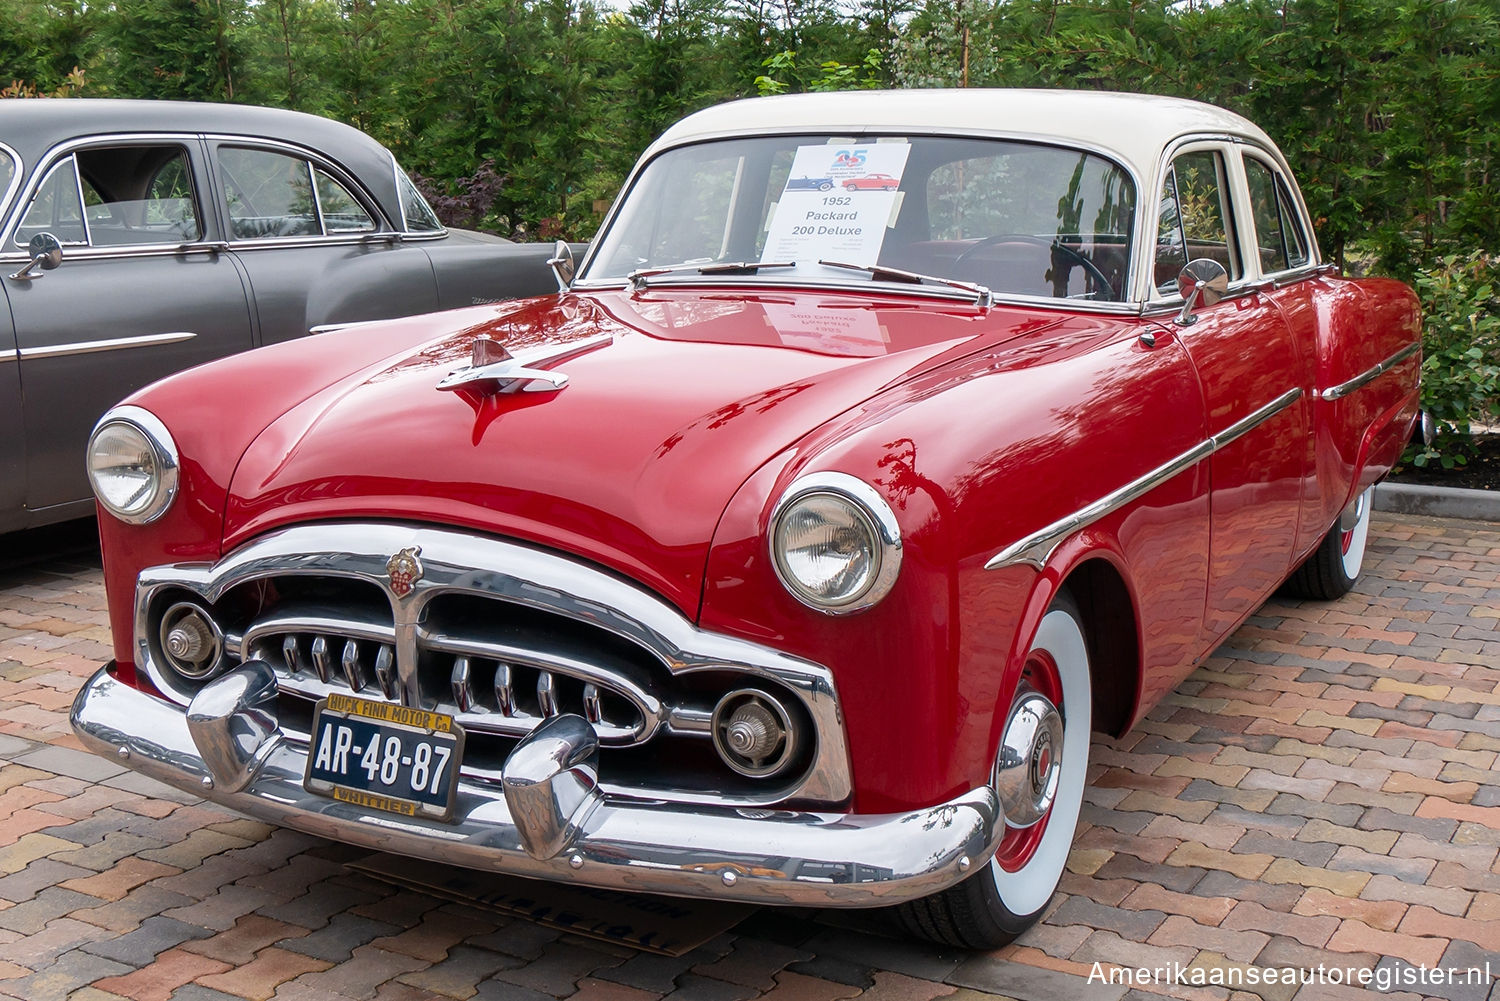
column 1134, row 127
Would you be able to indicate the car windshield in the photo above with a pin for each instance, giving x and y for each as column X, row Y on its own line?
column 1019, row 218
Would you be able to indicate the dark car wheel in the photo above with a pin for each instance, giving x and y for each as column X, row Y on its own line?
column 1043, row 791
column 1332, row 569
column 826, row 186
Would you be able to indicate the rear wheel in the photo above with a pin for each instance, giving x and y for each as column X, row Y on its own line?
column 1332, row 569
column 1039, row 775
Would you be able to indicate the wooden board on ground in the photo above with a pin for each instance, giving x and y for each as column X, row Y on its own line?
column 670, row 926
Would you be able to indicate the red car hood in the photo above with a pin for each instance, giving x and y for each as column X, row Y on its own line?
column 633, row 461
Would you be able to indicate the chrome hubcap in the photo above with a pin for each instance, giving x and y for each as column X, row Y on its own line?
column 1029, row 766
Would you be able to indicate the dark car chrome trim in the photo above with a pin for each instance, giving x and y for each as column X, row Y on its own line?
column 457, row 562
column 1369, row 375
column 94, row 347
column 1037, row 548
column 823, row 859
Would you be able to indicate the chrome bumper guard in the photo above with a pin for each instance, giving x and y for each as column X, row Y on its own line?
column 548, row 819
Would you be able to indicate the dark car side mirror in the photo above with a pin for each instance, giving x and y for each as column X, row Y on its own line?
column 46, row 254
column 1203, row 282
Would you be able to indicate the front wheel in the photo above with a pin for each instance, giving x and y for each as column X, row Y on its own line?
column 1038, row 774
column 1332, row 569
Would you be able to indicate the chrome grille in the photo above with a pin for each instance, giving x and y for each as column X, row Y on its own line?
column 490, row 687
column 500, row 636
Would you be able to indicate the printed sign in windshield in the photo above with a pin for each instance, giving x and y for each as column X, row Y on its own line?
column 837, row 204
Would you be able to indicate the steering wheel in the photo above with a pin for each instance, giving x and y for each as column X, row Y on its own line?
column 1101, row 280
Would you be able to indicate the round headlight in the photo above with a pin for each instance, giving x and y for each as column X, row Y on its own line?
column 835, row 543
column 133, row 465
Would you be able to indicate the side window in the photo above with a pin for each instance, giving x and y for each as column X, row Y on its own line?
column 271, row 195
column 1279, row 240
column 57, row 208
column 341, row 213
column 7, row 176
column 418, row 215
column 1193, row 220
column 268, row 195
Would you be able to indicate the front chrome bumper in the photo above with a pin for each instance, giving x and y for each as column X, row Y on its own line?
column 547, row 819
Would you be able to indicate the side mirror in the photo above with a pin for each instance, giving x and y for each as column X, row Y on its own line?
column 1202, row 283
column 562, row 265
column 46, row 254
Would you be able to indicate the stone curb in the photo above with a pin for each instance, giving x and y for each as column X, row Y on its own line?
column 1438, row 502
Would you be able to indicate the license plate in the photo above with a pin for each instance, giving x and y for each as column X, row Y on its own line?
column 385, row 757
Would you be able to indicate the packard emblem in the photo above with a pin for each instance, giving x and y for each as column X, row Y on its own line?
column 404, row 570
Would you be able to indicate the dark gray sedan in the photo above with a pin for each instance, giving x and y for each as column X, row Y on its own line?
column 138, row 238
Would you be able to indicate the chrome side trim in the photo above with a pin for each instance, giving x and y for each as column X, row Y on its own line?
column 461, row 563
column 1037, row 548
column 1249, row 423
column 94, row 347
column 10, row 356
column 824, row 859
column 1368, row 376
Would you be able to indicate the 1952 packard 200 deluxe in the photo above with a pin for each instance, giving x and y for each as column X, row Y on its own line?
column 792, row 551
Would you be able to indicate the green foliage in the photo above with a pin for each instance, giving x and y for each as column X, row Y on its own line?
column 1460, row 352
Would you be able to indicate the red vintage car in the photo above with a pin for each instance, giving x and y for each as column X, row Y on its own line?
column 791, row 552
column 872, row 182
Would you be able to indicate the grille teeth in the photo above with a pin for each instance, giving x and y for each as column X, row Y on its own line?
column 546, row 694
column 353, row 672
column 505, row 690
column 385, row 672
column 322, row 663
column 592, row 710
column 463, row 685
column 290, row 654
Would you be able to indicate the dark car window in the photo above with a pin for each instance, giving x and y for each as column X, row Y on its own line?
column 272, row 195
column 7, row 175
column 417, row 214
column 1194, row 218
column 341, row 213
column 57, row 208
column 1278, row 232
column 130, row 196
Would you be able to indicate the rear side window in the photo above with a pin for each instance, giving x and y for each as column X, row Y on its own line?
column 117, row 196
column 416, row 213
column 1279, row 240
column 272, row 195
column 1194, row 219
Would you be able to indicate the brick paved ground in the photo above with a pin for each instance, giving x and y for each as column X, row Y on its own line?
column 1323, row 791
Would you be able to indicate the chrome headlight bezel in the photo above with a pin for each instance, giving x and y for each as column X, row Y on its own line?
column 155, row 437
column 869, row 513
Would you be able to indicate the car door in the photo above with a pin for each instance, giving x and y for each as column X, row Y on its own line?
column 12, row 446
column 1257, row 410
column 1283, row 253
column 315, row 246
column 143, row 290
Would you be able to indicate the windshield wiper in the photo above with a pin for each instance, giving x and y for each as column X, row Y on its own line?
column 982, row 295
column 638, row 277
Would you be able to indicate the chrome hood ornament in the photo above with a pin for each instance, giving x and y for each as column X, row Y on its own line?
column 494, row 370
